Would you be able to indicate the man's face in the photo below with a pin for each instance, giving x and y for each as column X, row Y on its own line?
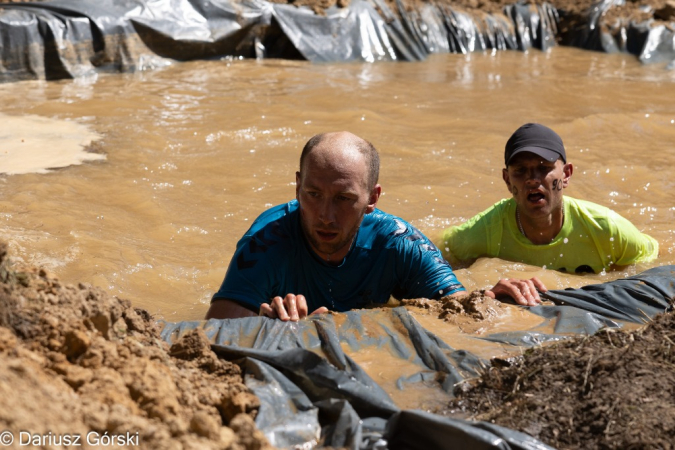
column 537, row 184
column 333, row 196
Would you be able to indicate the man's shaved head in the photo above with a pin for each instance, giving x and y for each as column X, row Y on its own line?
column 343, row 141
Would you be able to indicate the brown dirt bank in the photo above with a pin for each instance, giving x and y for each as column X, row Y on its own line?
column 613, row 390
column 75, row 361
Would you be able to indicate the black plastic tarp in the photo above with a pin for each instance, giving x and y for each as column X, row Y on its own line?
column 71, row 38
column 650, row 42
column 313, row 392
column 58, row 39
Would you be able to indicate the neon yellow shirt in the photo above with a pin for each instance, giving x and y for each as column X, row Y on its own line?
column 592, row 238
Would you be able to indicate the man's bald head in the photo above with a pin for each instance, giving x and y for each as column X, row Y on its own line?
column 342, row 142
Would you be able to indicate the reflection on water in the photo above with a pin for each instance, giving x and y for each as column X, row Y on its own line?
column 197, row 150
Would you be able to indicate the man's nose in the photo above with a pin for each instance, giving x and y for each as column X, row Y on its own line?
column 327, row 211
column 533, row 177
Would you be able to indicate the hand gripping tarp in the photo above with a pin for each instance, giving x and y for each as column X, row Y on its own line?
column 313, row 392
column 71, row 38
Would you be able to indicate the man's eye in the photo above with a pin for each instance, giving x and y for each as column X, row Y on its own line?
column 313, row 194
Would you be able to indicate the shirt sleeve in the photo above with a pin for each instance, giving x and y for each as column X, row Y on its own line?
column 470, row 240
column 630, row 245
column 249, row 277
column 422, row 270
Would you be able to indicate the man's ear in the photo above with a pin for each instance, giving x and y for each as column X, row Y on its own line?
column 374, row 197
column 505, row 177
column 568, row 169
column 297, row 185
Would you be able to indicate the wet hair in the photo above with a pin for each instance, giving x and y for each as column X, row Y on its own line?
column 364, row 147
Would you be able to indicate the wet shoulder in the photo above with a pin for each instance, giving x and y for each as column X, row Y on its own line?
column 389, row 230
column 502, row 207
column 595, row 215
column 493, row 213
column 274, row 230
column 280, row 216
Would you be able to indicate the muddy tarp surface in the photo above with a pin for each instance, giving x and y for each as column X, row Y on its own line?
column 71, row 38
column 313, row 391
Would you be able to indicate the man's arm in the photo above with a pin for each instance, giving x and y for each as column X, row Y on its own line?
column 222, row 308
column 630, row 245
column 462, row 244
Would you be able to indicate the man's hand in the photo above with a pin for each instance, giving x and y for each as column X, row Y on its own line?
column 292, row 307
column 524, row 292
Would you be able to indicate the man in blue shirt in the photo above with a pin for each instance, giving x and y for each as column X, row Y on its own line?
column 331, row 249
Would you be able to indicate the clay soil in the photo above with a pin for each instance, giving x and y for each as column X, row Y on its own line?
column 75, row 361
column 613, row 390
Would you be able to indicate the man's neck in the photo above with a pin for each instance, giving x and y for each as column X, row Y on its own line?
column 541, row 230
column 336, row 258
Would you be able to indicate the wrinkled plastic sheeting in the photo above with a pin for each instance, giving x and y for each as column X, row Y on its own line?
column 313, row 393
column 633, row 299
column 436, row 27
column 586, row 310
column 71, row 38
column 356, row 33
column 649, row 42
column 536, row 25
column 422, row 430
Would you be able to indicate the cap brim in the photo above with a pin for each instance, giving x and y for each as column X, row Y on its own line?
column 548, row 155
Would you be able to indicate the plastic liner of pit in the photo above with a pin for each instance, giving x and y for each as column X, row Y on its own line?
column 313, row 393
column 58, row 39
column 69, row 38
column 650, row 42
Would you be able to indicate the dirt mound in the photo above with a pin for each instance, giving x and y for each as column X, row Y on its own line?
column 614, row 390
column 475, row 306
column 79, row 365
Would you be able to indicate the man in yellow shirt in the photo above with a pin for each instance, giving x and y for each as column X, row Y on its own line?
column 540, row 226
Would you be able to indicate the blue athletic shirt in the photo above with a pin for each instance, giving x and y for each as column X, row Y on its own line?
column 389, row 257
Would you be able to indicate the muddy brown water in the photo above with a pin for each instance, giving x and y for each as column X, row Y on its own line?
column 195, row 151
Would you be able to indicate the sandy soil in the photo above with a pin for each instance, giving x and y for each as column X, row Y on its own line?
column 75, row 361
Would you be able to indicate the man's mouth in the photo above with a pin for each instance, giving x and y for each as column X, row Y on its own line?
column 535, row 197
column 326, row 235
